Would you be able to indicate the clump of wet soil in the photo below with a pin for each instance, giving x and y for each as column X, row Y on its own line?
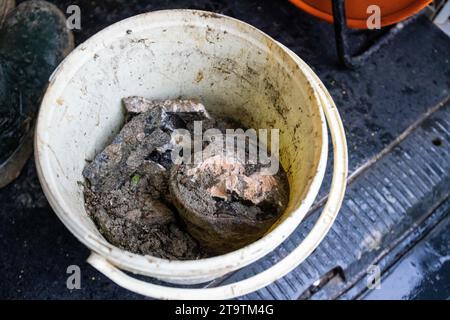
column 144, row 203
column 226, row 202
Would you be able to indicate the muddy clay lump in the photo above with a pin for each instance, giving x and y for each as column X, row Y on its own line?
column 226, row 202
column 143, row 203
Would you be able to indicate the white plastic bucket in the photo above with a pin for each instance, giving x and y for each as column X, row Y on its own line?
column 236, row 70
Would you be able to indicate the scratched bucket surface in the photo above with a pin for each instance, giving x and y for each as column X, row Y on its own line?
column 235, row 69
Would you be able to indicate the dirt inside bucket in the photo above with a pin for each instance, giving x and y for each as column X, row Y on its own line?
column 144, row 202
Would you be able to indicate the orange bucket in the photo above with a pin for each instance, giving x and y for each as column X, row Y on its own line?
column 392, row 11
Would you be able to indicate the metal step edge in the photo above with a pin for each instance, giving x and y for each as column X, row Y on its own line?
column 380, row 206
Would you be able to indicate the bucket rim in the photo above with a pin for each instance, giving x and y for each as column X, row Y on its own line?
column 386, row 20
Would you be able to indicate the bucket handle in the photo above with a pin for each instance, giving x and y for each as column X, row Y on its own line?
column 277, row 271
